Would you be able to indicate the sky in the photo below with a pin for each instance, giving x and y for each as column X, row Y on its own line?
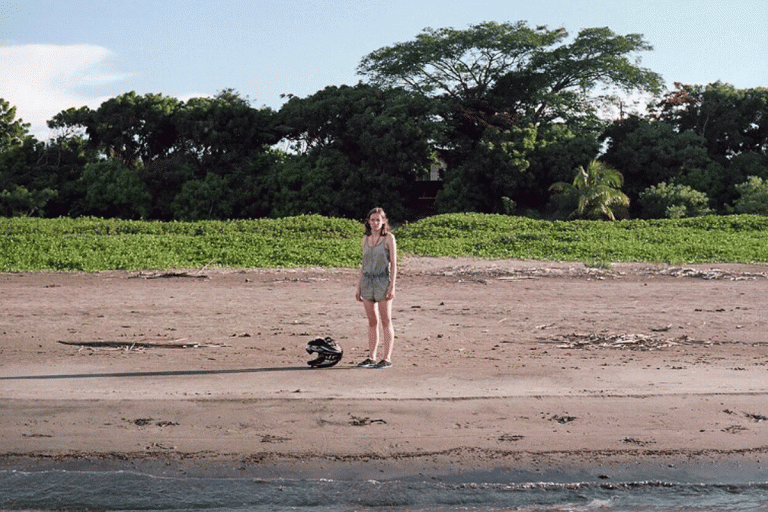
column 57, row 54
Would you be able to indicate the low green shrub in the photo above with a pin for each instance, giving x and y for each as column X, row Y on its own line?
column 673, row 201
column 90, row 244
column 709, row 238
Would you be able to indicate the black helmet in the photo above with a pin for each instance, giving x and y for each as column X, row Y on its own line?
column 328, row 352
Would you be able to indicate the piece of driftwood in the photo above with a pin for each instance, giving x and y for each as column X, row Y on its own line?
column 135, row 344
column 166, row 275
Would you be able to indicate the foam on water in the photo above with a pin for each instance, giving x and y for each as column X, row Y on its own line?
column 125, row 490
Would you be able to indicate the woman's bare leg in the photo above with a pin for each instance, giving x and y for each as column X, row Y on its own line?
column 388, row 330
column 373, row 328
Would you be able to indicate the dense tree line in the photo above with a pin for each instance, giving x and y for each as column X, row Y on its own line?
column 515, row 116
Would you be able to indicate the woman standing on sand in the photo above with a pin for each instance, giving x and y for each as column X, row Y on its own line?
column 376, row 287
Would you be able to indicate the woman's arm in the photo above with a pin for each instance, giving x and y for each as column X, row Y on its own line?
column 359, row 297
column 392, row 247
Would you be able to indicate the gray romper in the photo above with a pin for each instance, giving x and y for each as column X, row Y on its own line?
column 375, row 272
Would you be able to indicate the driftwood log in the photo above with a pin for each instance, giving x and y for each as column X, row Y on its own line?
column 135, row 344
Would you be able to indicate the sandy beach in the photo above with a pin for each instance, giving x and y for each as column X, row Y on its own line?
column 497, row 365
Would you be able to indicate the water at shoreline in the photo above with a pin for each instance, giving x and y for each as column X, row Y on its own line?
column 127, row 490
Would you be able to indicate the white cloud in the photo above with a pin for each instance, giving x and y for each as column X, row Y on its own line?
column 189, row 96
column 42, row 80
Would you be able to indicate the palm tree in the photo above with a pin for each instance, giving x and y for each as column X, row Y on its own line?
column 595, row 190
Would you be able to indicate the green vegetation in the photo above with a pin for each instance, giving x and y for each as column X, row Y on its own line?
column 89, row 244
column 94, row 244
column 514, row 118
column 701, row 239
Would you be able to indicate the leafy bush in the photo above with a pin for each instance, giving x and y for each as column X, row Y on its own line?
column 673, row 201
column 708, row 238
column 203, row 199
column 753, row 196
column 20, row 201
column 115, row 190
column 91, row 244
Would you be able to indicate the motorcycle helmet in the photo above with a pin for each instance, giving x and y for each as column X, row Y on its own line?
column 328, row 352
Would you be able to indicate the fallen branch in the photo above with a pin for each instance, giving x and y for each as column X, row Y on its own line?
column 136, row 344
column 165, row 275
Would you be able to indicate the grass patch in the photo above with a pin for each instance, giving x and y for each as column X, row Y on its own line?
column 89, row 244
column 741, row 238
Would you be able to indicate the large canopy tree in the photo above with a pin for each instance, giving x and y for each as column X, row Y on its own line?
column 132, row 128
column 495, row 76
column 710, row 138
column 168, row 144
column 514, row 68
column 649, row 152
column 463, row 64
column 219, row 134
column 13, row 130
column 732, row 121
column 363, row 146
column 23, row 191
column 218, row 140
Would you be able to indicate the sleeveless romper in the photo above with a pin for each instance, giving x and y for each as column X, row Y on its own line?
column 375, row 272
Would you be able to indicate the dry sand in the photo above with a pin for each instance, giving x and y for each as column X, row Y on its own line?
column 497, row 365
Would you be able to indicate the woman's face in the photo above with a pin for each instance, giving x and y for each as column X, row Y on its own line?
column 376, row 220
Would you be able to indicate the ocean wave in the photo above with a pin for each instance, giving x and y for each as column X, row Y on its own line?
column 128, row 490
